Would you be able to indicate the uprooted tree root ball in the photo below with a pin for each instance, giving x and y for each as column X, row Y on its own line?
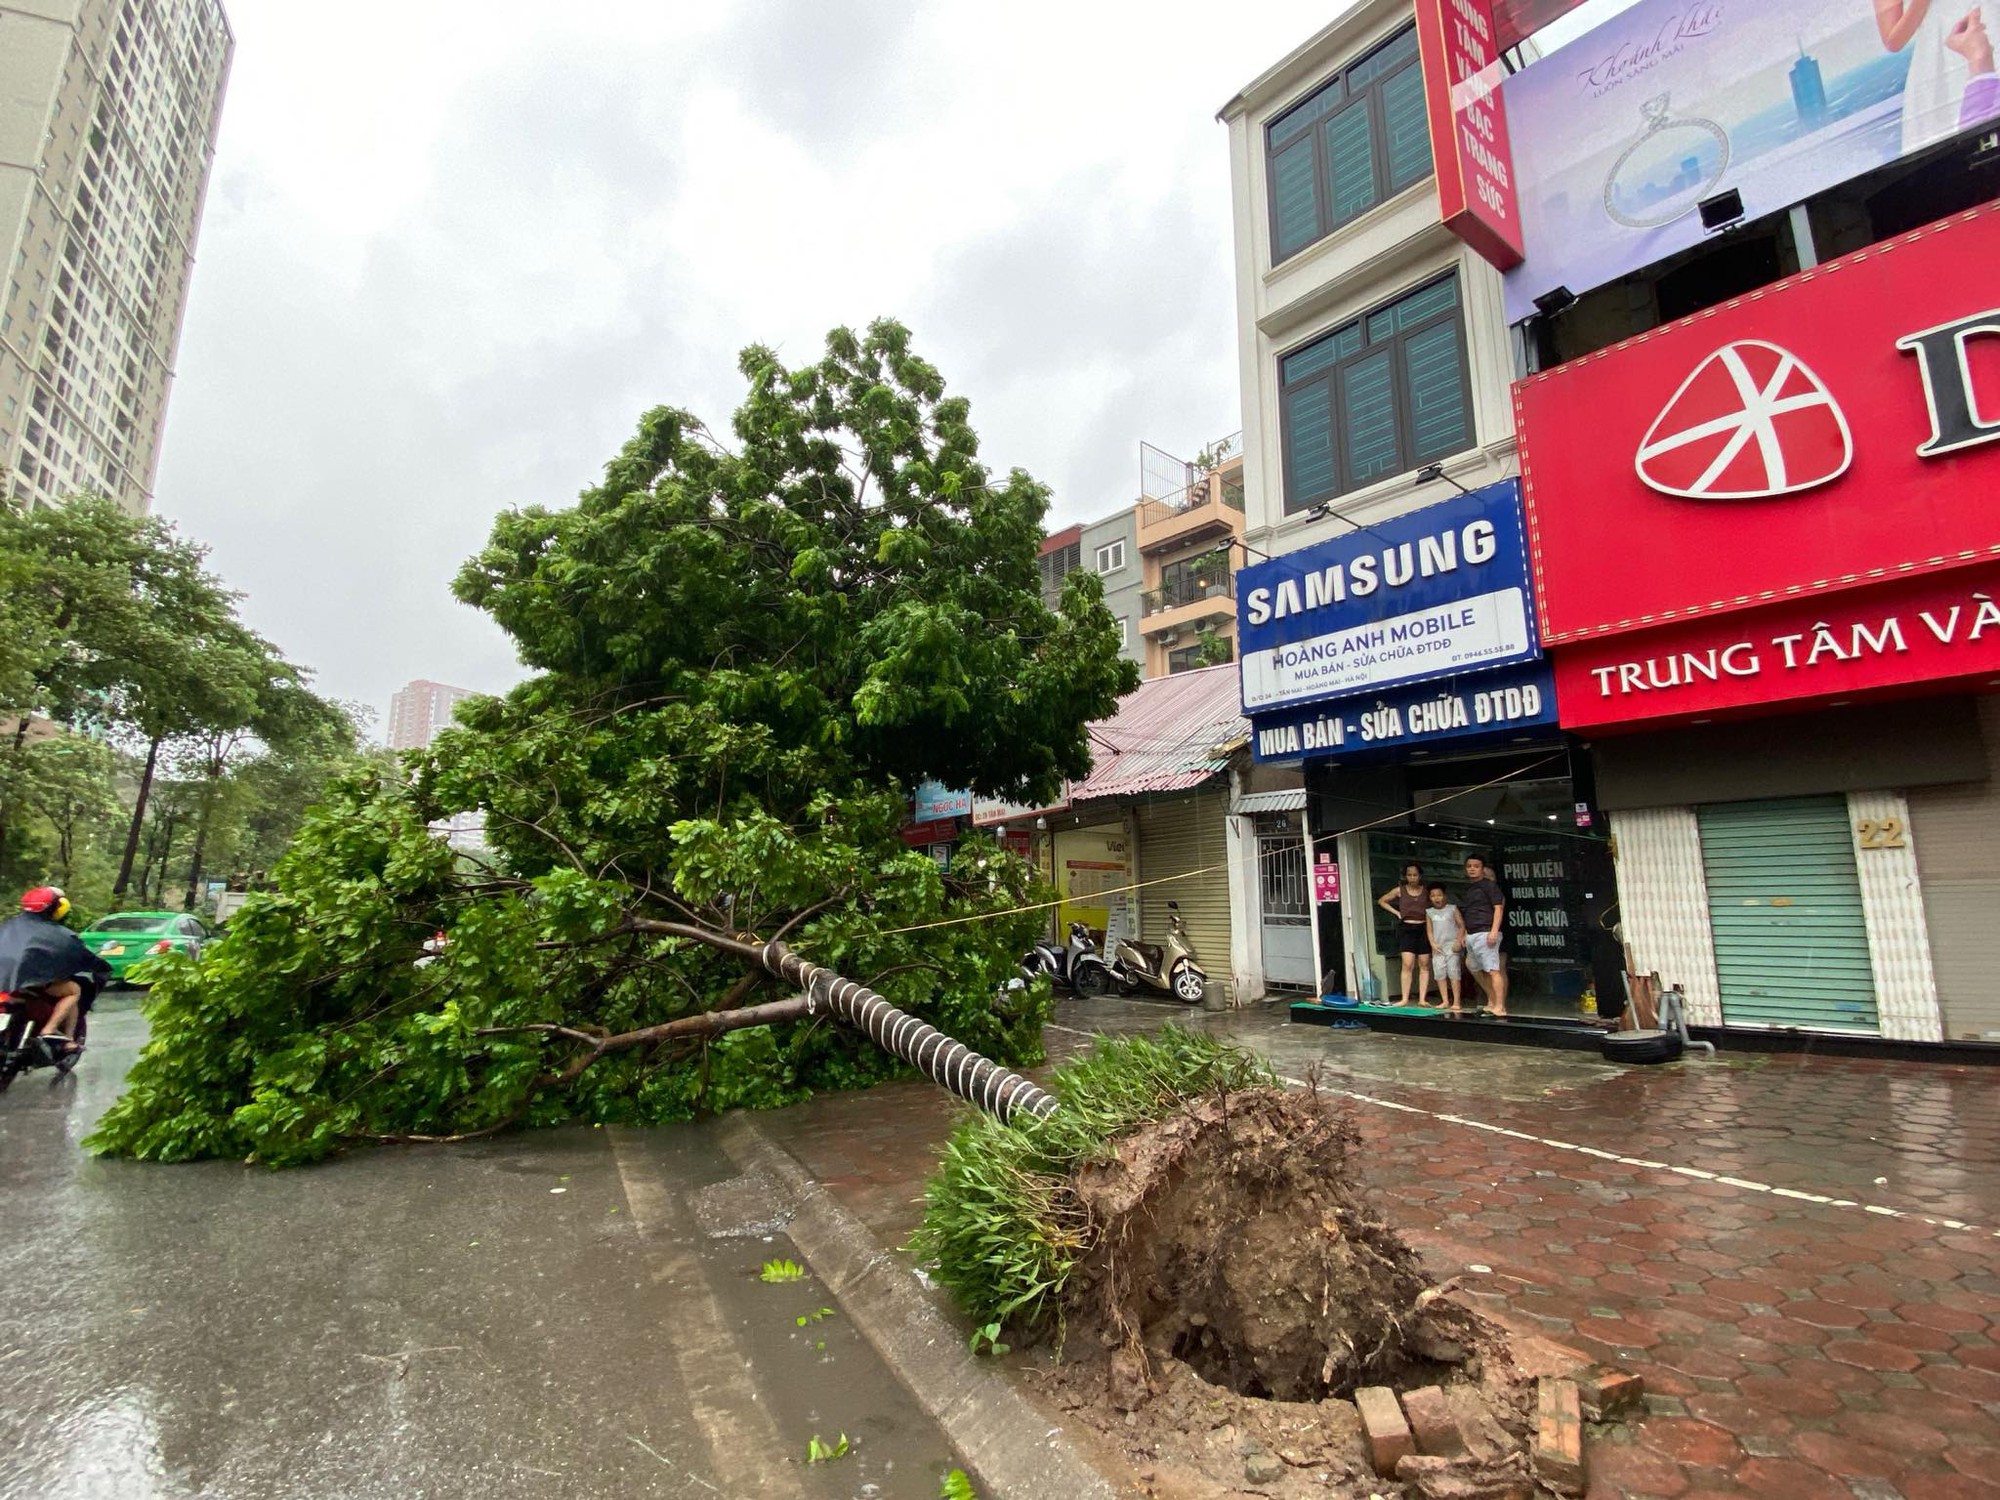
column 1195, row 1244
column 1230, row 1235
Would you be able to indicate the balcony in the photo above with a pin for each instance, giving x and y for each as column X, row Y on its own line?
column 1187, row 603
column 1209, row 509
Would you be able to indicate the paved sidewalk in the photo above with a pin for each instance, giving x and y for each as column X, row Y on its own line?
column 1811, row 1327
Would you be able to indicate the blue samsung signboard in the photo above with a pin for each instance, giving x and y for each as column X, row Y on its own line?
column 1440, row 591
column 1500, row 704
column 1420, row 628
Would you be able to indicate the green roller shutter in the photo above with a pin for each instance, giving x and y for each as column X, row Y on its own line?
column 1784, row 902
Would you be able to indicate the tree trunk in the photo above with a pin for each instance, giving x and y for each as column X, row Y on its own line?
column 138, row 819
column 201, row 835
column 14, row 752
column 950, row 1064
column 159, row 892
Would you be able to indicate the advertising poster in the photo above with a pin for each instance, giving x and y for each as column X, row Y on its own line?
column 1544, row 916
column 1620, row 136
column 1434, row 592
column 1093, row 872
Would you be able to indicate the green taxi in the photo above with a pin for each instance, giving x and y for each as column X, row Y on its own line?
column 128, row 938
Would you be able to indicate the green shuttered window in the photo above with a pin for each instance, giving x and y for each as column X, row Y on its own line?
column 1379, row 396
column 1784, row 905
column 1361, row 138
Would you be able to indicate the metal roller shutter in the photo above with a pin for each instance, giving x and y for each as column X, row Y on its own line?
column 1784, row 903
column 1179, row 834
column 1955, row 831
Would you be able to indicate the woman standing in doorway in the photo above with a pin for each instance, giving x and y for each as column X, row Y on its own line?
column 1408, row 903
column 1938, row 72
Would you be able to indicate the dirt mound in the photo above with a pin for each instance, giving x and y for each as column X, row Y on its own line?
column 1240, row 1285
column 1232, row 1236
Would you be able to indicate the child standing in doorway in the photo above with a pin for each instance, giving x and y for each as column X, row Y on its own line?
column 1447, row 942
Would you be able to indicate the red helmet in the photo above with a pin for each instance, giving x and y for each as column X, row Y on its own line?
column 46, row 901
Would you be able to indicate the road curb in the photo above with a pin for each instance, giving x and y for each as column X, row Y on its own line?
column 1007, row 1444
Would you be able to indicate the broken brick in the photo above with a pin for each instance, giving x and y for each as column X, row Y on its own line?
column 1558, row 1455
column 1609, row 1393
column 1430, row 1417
column 1388, row 1435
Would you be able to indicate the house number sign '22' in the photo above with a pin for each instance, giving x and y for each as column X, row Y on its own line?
column 1881, row 833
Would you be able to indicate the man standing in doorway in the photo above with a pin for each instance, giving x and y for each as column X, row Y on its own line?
column 1483, row 907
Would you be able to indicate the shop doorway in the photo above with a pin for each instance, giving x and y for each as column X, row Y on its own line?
column 1557, row 878
column 1286, row 918
column 1784, row 905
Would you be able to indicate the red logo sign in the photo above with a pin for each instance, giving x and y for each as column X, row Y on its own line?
column 1903, row 338
column 1751, row 423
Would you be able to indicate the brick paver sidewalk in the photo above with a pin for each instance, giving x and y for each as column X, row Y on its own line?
column 1805, row 1335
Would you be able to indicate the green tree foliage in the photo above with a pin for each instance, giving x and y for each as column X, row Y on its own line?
column 112, row 625
column 747, row 652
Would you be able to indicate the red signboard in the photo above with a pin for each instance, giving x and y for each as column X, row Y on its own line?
column 1517, row 20
column 1929, row 629
column 1825, row 433
column 1460, row 45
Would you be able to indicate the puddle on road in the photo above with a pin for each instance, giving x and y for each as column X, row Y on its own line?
column 822, row 1378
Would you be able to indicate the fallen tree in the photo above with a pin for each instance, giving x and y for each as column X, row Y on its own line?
column 746, row 654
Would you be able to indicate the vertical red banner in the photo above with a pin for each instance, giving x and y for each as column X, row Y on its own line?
column 1468, row 118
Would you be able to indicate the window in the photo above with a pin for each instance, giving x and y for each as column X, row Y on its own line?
column 1362, row 138
column 1124, row 631
column 1378, row 396
column 1057, row 564
column 1201, row 654
column 1111, row 556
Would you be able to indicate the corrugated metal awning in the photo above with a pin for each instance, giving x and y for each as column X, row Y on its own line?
column 1169, row 735
column 1292, row 799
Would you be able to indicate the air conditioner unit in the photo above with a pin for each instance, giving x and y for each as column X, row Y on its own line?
column 1169, row 637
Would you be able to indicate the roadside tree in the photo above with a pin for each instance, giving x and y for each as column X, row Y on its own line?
column 747, row 652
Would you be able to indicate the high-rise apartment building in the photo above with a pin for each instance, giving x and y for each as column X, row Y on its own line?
column 419, row 710
column 108, row 112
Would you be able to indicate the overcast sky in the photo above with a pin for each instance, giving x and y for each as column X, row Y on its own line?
column 454, row 248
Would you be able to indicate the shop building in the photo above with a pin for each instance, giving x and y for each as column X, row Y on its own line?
column 1759, row 347
column 1377, row 364
column 1400, row 670
column 1787, row 691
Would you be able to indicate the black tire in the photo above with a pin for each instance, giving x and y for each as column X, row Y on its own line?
column 1641, row 1046
column 1187, row 978
column 1093, row 980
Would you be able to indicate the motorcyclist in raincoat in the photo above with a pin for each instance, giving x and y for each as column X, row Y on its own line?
column 43, row 961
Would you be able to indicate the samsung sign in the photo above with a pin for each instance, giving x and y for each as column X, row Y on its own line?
column 1435, row 593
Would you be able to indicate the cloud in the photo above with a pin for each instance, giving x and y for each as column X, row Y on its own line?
column 444, row 278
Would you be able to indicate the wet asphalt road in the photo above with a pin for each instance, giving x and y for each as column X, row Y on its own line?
column 534, row 1316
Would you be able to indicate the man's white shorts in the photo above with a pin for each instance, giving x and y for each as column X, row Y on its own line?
column 1482, row 952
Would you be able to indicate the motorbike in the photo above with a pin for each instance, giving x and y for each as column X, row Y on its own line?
column 23, row 1044
column 1063, row 965
column 1170, row 967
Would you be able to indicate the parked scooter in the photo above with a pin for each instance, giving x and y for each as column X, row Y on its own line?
column 1061, row 965
column 1170, row 967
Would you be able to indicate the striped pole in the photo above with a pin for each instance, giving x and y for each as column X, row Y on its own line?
column 950, row 1064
